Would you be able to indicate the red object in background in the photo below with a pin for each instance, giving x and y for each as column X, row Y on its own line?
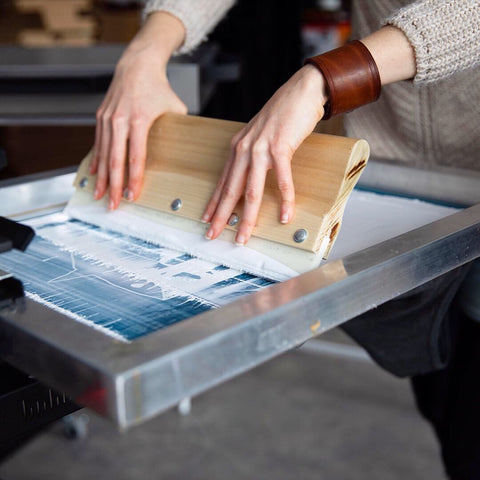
column 323, row 30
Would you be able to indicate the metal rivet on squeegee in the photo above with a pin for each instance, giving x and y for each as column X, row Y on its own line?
column 83, row 182
column 176, row 204
column 233, row 220
column 300, row 235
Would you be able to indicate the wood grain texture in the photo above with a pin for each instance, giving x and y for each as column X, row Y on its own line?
column 186, row 155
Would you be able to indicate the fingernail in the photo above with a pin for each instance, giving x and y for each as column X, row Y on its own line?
column 209, row 234
column 128, row 195
column 95, row 194
column 204, row 219
column 111, row 205
column 240, row 240
column 284, row 218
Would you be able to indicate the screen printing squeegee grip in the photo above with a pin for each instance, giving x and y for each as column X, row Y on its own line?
column 186, row 155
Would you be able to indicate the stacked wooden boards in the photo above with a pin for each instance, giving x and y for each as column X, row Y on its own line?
column 186, row 155
column 67, row 23
column 63, row 22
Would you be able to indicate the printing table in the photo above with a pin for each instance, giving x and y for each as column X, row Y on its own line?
column 131, row 382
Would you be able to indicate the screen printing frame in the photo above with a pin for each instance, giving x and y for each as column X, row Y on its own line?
column 131, row 382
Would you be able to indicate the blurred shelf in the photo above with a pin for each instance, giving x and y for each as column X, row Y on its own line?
column 65, row 86
column 58, row 62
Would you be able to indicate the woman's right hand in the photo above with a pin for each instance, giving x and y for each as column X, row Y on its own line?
column 139, row 93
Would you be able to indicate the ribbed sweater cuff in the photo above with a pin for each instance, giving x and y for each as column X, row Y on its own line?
column 199, row 17
column 444, row 34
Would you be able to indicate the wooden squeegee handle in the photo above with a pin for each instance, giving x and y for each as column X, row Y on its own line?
column 186, row 155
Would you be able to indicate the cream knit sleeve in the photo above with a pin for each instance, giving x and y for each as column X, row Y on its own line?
column 198, row 16
column 445, row 35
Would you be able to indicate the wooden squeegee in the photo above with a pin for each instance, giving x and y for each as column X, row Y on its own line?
column 185, row 158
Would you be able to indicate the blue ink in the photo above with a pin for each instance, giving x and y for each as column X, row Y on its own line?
column 188, row 275
column 151, row 290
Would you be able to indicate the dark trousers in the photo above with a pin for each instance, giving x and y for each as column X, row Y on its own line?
column 450, row 400
column 425, row 336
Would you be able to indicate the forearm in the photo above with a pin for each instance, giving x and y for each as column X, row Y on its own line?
column 199, row 17
column 393, row 54
column 161, row 35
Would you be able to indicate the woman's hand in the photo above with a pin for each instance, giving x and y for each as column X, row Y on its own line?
column 139, row 93
column 268, row 141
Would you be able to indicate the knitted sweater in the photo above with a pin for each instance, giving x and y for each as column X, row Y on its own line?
column 433, row 119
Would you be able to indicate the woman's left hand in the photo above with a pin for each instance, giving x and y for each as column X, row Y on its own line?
column 268, row 141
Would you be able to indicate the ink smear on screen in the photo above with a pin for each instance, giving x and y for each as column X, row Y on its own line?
column 119, row 284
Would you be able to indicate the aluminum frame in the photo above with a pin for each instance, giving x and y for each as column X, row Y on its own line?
column 131, row 382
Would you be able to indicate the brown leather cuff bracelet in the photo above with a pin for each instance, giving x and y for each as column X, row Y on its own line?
column 351, row 75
